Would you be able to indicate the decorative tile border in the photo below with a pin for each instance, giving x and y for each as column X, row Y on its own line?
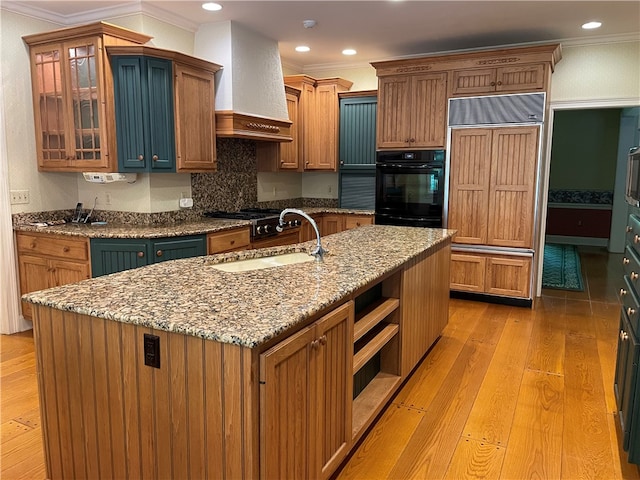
column 601, row 197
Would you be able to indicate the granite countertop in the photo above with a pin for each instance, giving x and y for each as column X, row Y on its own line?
column 189, row 296
column 179, row 229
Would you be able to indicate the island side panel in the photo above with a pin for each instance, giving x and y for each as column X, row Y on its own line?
column 424, row 303
column 195, row 416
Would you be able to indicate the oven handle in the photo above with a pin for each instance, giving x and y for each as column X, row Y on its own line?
column 401, row 165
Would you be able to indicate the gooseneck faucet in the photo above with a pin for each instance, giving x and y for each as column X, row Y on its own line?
column 318, row 252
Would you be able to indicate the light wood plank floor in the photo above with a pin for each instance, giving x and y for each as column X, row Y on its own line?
column 507, row 392
column 511, row 393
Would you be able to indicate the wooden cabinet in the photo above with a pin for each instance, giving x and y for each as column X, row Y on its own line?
column 329, row 223
column 526, row 78
column 355, row 221
column 195, row 118
column 305, row 399
column 46, row 261
column 290, row 151
column 492, row 185
column 73, row 96
column 110, row 255
column 501, row 275
column 318, row 120
column 143, row 90
column 412, row 111
column 228, row 240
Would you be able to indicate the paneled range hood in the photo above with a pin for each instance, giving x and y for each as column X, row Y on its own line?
column 250, row 96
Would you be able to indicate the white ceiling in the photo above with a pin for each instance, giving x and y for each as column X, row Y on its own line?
column 378, row 30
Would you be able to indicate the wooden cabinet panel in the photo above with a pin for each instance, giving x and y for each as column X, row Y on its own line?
column 290, row 151
column 228, row 240
column 467, row 272
column 46, row 261
column 331, row 223
column 508, row 276
column 355, row 221
column 305, row 399
column 286, row 238
column 522, row 78
column 512, row 192
column 195, row 119
column 469, row 184
column 412, row 111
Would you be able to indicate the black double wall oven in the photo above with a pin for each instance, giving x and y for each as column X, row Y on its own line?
column 410, row 188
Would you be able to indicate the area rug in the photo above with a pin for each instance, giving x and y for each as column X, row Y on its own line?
column 561, row 267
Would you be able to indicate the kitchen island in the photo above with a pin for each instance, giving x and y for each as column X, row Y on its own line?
column 181, row 370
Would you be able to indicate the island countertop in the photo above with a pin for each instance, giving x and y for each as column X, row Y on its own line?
column 188, row 296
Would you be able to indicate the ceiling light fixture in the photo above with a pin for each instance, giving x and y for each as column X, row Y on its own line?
column 349, row 51
column 302, row 48
column 211, row 6
column 591, row 25
column 309, row 23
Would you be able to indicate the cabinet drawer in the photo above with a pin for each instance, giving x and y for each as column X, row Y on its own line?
column 53, row 245
column 226, row 241
column 631, row 266
column 630, row 303
column 633, row 233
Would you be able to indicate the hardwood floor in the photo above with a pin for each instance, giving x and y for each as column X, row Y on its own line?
column 507, row 392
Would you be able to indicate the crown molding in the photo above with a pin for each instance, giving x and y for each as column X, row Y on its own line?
column 131, row 8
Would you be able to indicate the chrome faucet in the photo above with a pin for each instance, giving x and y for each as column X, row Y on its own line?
column 318, row 252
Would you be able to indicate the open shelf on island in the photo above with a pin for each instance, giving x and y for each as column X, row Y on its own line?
column 371, row 400
column 372, row 315
column 381, row 338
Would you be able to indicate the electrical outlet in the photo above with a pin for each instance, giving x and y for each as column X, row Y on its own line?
column 107, row 198
column 151, row 350
column 19, row 196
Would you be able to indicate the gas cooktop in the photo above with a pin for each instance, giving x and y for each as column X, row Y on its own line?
column 263, row 220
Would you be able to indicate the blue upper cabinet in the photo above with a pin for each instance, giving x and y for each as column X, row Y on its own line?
column 145, row 128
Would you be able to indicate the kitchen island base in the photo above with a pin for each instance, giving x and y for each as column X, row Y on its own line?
column 291, row 406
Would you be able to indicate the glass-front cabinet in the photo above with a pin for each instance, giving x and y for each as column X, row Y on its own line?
column 73, row 96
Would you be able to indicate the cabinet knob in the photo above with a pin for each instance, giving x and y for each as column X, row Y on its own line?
column 140, row 157
column 66, row 249
column 623, row 292
column 636, row 238
column 315, row 344
column 232, row 242
column 631, row 311
column 412, row 140
column 154, row 158
column 140, row 254
column 629, row 228
column 159, row 253
column 323, row 340
column 306, row 163
column 625, row 261
column 633, row 276
column 493, row 84
column 624, row 336
column 341, row 162
column 499, row 83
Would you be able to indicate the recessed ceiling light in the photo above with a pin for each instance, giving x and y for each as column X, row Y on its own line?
column 349, row 51
column 211, row 6
column 302, row 48
column 591, row 25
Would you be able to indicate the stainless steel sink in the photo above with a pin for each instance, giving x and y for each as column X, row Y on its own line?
column 265, row 262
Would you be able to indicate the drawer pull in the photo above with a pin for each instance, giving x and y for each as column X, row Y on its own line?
column 633, row 276
column 154, row 158
column 140, row 157
column 66, row 249
column 631, row 311
column 624, row 336
column 32, row 245
column 159, row 253
column 623, row 292
column 636, row 238
column 140, row 254
column 232, row 242
column 629, row 228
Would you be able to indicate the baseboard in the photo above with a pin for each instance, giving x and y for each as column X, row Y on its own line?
column 483, row 297
column 586, row 241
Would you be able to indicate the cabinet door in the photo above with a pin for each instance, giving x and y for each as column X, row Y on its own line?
column 626, row 379
column 466, row 82
column 357, row 131
column 326, row 129
column 195, row 120
column 289, row 151
column 508, row 276
column 34, row 275
column 285, row 374
column 428, row 110
column 394, row 112
column 333, row 371
column 115, row 255
column 183, row 247
column 528, row 78
column 468, row 272
column 159, row 115
column 355, row 221
column 469, row 184
column 514, row 155
column 308, row 144
column 331, row 224
column 64, row 272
